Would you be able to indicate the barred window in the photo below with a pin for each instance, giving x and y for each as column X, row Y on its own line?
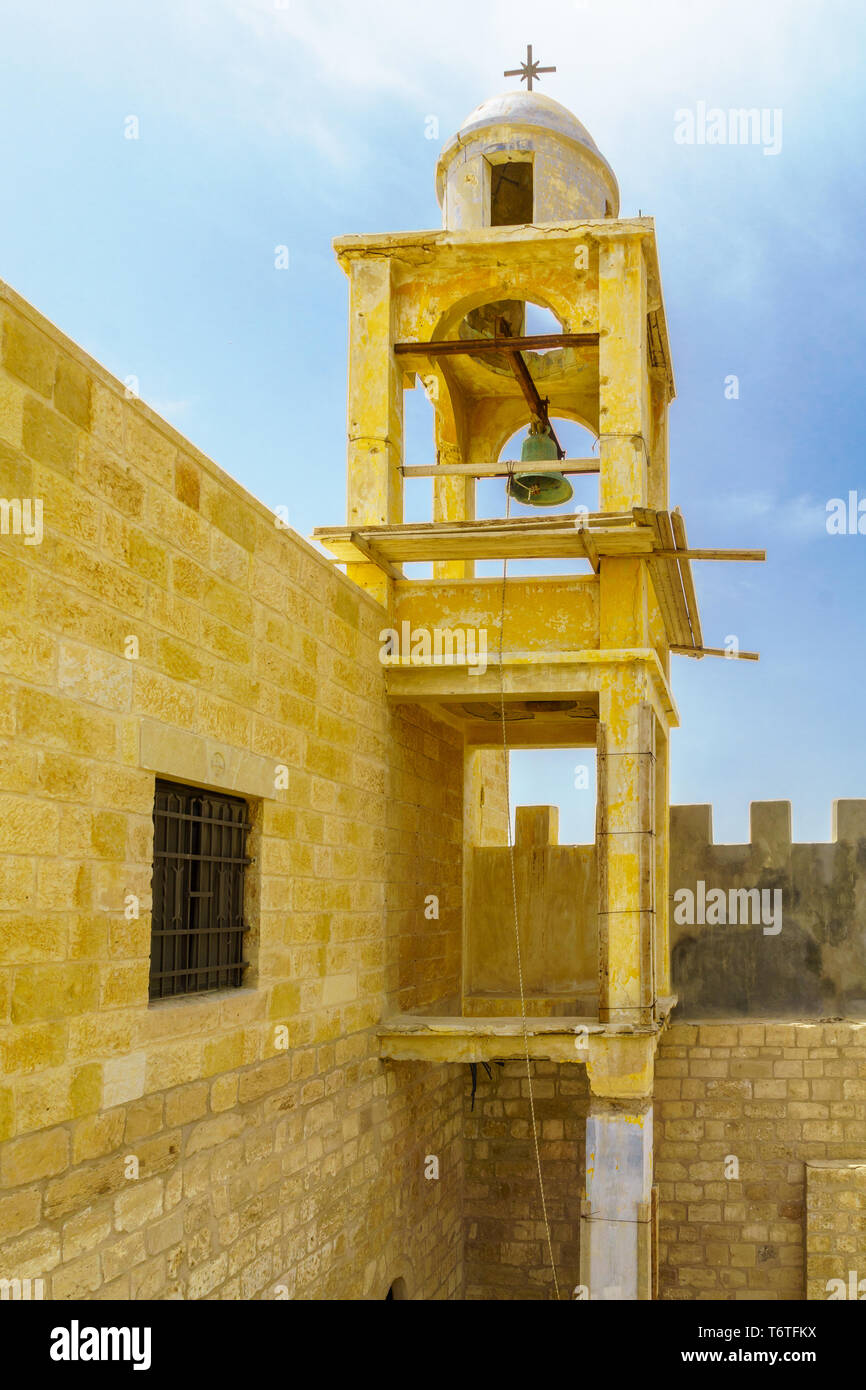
column 199, row 858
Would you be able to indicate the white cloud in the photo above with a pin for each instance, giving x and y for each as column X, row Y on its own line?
column 799, row 516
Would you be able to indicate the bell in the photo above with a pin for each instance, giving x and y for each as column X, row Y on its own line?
column 538, row 489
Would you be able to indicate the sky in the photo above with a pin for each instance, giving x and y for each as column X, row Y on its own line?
column 285, row 123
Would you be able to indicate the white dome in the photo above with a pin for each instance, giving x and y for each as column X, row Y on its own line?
column 565, row 152
column 527, row 108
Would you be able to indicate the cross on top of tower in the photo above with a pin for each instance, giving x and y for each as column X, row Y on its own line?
column 528, row 70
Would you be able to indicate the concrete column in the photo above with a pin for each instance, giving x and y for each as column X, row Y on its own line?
column 624, row 416
column 375, row 413
column 453, row 498
column 615, row 1230
column 625, row 857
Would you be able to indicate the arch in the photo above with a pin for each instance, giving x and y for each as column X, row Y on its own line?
column 397, row 1280
column 557, row 412
column 525, row 289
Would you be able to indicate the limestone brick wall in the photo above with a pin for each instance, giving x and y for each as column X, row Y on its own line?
column 740, row 1111
column 166, row 626
column 836, row 1229
column 506, row 1245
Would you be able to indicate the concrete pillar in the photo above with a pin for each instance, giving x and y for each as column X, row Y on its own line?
column 625, row 857
column 624, row 417
column 616, row 1239
column 453, row 498
column 374, row 414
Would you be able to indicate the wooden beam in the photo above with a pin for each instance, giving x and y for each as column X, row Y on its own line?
column 679, row 528
column 589, row 544
column 533, row 399
column 499, row 470
column 716, row 651
column 478, row 347
column 559, row 537
column 673, row 613
column 714, row 554
column 369, row 554
column 665, row 533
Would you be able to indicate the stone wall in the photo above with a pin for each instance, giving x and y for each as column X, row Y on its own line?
column 808, row 963
column 741, row 1109
column 796, row 949
column 760, row 1166
column 836, row 1229
column 165, row 625
column 506, row 1242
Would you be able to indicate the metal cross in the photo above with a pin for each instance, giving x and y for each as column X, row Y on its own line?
column 528, row 70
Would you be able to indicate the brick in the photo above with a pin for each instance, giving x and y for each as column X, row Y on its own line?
column 53, row 991
column 28, row 354
column 186, row 1104
column 72, row 391
column 48, row 437
column 140, row 1205
column 19, row 1212
column 33, row 1157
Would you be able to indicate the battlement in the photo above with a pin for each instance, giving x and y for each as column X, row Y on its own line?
column 769, row 824
column 801, row 949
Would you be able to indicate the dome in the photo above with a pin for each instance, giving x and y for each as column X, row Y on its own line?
column 573, row 179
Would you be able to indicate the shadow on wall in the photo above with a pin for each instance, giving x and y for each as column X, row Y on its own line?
column 769, row 928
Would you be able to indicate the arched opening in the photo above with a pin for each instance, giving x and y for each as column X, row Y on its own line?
column 491, row 497
column 397, row 1291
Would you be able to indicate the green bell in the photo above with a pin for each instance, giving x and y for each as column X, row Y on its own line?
column 539, row 489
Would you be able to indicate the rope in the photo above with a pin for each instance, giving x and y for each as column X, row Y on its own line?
column 515, row 914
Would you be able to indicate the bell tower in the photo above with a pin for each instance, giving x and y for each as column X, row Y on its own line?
column 530, row 212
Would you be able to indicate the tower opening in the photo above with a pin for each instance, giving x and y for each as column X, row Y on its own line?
column 511, row 193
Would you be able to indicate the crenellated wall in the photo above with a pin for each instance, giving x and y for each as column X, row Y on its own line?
column 805, row 955
column 797, row 948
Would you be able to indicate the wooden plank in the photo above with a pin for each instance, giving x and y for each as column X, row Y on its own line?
column 716, row 651
column 604, row 520
column 679, row 530
column 589, row 546
column 369, row 554
column 477, row 347
column 666, row 533
column 689, row 554
column 499, row 470
column 518, row 545
column 659, row 573
column 674, row 614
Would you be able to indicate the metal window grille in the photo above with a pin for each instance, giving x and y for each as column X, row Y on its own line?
column 198, row 891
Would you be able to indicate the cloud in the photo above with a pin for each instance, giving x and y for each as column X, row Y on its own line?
column 798, row 517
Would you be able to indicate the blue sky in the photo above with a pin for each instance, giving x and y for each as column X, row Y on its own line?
column 265, row 124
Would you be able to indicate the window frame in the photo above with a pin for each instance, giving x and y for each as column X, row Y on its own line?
column 198, row 921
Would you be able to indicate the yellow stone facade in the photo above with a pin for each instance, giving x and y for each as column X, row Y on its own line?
column 260, row 1154
column 277, row 1140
